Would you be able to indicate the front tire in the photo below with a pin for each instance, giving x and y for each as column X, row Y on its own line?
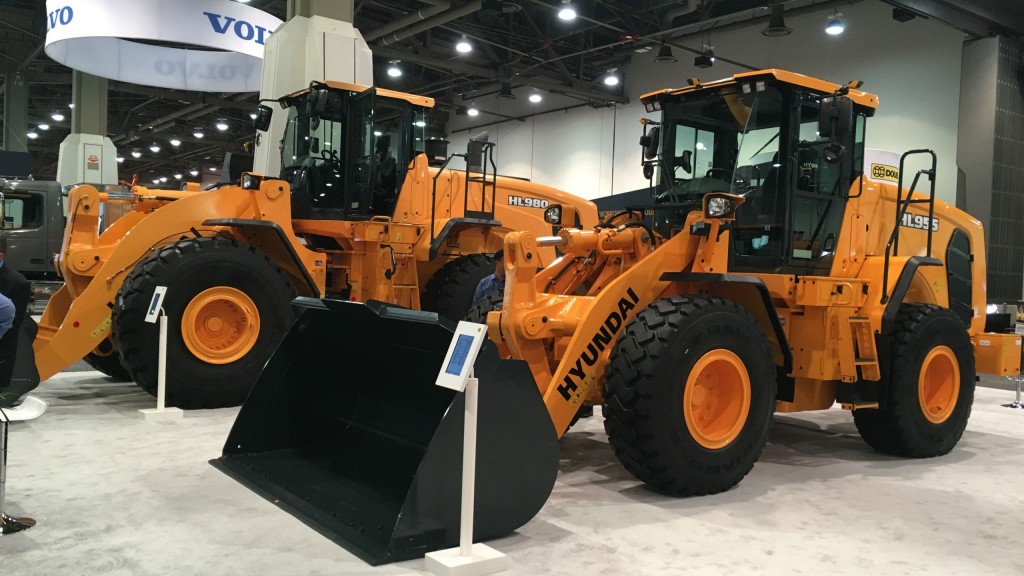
column 929, row 386
column 450, row 291
column 228, row 306
column 689, row 395
column 105, row 359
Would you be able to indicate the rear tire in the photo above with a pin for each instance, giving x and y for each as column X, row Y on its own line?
column 228, row 306
column 105, row 359
column 929, row 387
column 689, row 395
column 450, row 291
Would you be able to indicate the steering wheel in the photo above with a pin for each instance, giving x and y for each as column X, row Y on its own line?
column 725, row 171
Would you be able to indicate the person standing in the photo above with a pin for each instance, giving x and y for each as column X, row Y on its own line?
column 492, row 282
column 18, row 290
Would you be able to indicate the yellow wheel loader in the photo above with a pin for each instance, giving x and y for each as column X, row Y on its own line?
column 360, row 212
column 781, row 267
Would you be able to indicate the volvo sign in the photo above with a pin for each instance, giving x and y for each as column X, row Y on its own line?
column 123, row 41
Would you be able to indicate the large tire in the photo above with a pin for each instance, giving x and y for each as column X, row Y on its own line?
column 105, row 359
column 450, row 291
column 228, row 306
column 689, row 395
column 489, row 303
column 929, row 386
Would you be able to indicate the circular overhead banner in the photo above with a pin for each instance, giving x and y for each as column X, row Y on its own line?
column 128, row 41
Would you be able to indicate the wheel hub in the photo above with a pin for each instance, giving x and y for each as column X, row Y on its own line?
column 938, row 385
column 220, row 325
column 716, row 400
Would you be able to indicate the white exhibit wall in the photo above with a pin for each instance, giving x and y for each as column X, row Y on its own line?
column 914, row 67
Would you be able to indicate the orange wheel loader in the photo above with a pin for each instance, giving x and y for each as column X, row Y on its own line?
column 359, row 212
column 780, row 266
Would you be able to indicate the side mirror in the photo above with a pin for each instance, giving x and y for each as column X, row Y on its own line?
column 835, row 117
column 314, row 145
column 650, row 143
column 263, row 115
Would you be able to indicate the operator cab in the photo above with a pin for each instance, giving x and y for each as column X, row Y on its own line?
column 761, row 139
column 346, row 149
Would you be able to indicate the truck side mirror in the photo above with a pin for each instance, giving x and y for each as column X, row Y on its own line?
column 835, row 117
column 650, row 143
column 263, row 115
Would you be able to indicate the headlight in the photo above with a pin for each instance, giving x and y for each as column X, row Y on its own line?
column 250, row 181
column 719, row 207
column 553, row 215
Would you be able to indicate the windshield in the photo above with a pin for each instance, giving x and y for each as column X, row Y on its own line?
column 303, row 146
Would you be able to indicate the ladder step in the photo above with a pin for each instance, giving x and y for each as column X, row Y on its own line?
column 864, row 361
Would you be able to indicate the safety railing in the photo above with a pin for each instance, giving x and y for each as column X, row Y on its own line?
column 902, row 204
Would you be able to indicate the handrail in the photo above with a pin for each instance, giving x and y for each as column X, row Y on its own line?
column 433, row 193
column 892, row 246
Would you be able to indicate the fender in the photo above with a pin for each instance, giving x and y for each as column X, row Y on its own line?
column 266, row 230
column 899, row 291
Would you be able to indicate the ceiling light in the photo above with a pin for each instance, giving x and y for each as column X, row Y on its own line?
column 72, row 105
column 213, row 168
column 194, row 172
column 156, row 181
column 706, row 59
column 198, row 133
column 222, row 125
column 57, row 117
column 464, row 47
column 44, row 126
column 835, row 26
column 611, row 79
column 378, row 133
column 777, row 25
column 154, row 148
column 242, row 1
column 136, row 154
column 567, row 12
column 177, row 175
column 120, row 159
column 665, row 55
column 472, row 111
column 175, row 142
column 163, row 178
column 393, row 70
column 420, row 123
column 253, row 115
column 32, row 135
column 536, row 97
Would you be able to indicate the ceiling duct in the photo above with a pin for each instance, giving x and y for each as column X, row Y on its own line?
column 777, row 25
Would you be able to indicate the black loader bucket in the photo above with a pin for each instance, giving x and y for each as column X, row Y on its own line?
column 346, row 430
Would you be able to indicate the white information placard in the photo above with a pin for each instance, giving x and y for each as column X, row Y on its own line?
column 153, row 312
column 458, row 362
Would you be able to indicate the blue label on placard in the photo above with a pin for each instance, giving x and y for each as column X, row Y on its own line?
column 459, row 356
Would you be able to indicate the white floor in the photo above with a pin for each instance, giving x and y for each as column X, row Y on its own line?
column 117, row 496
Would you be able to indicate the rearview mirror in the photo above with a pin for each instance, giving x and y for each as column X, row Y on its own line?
column 686, row 161
column 263, row 116
column 648, row 170
column 650, row 143
column 835, row 117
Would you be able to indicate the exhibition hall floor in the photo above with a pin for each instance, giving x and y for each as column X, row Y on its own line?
column 118, row 496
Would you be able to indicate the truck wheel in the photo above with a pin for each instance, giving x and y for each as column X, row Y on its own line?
column 228, row 306
column 489, row 303
column 450, row 291
column 929, row 386
column 689, row 395
column 105, row 359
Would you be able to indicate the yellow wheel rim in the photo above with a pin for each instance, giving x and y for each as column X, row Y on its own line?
column 716, row 400
column 220, row 325
column 938, row 385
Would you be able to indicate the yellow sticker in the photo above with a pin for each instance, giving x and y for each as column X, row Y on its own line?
column 885, row 172
column 102, row 328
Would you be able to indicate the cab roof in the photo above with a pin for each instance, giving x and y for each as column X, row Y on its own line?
column 821, row 86
column 410, row 98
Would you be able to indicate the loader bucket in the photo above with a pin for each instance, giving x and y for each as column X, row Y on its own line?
column 346, row 430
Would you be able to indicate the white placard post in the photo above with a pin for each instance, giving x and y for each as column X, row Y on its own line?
column 457, row 374
column 161, row 413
